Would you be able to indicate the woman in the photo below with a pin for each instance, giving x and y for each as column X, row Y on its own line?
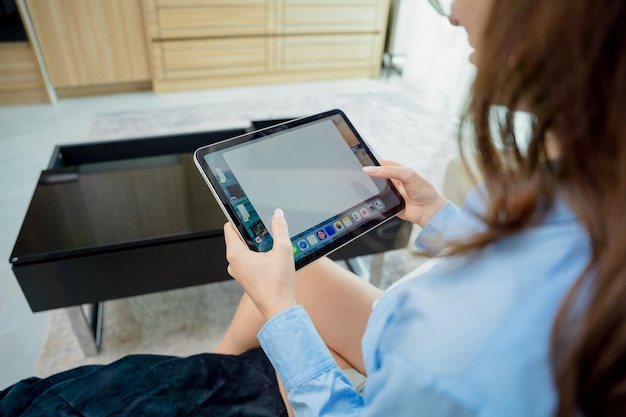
column 524, row 315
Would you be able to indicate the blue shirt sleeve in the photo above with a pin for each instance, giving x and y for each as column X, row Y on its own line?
column 451, row 223
column 432, row 237
column 317, row 387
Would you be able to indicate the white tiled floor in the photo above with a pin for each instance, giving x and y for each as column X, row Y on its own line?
column 28, row 135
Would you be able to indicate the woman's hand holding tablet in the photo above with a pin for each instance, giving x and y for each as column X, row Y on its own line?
column 272, row 295
column 422, row 200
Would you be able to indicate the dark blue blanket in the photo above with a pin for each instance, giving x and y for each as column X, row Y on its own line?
column 151, row 385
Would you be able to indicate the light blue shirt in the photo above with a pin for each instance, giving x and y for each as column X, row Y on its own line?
column 468, row 337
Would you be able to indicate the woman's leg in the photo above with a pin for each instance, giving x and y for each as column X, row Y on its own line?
column 241, row 333
column 338, row 302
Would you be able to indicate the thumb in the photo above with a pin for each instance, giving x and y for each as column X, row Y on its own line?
column 280, row 230
column 396, row 172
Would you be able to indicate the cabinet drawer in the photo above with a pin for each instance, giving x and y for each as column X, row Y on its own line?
column 296, row 53
column 323, row 16
column 209, row 57
column 209, row 3
column 167, row 19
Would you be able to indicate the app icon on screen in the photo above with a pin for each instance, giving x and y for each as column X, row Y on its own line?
column 245, row 215
column 303, row 245
column 258, row 230
column 235, row 192
column 321, row 235
column 364, row 212
column 312, row 240
column 346, row 221
column 338, row 226
column 356, row 216
column 220, row 175
column 371, row 208
column 330, row 230
column 295, row 249
column 379, row 204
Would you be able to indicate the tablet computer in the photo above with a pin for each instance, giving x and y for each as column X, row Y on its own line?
column 311, row 168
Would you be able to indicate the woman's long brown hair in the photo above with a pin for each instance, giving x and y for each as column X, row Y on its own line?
column 565, row 63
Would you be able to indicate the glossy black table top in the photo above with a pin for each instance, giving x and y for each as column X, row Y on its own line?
column 116, row 204
column 112, row 195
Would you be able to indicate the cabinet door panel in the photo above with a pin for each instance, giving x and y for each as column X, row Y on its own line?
column 203, row 3
column 211, row 57
column 90, row 42
column 197, row 19
column 212, row 21
column 328, row 52
column 319, row 16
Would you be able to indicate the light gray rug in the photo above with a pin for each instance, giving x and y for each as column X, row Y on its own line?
column 396, row 122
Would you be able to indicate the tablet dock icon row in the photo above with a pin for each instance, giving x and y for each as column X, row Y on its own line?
column 337, row 226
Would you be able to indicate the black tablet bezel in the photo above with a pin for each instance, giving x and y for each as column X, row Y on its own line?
column 393, row 202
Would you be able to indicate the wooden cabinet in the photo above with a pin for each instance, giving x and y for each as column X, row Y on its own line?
column 93, row 44
column 20, row 79
column 216, row 43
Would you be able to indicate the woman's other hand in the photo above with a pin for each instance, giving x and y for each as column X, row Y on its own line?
column 267, row 277
column 421, row 198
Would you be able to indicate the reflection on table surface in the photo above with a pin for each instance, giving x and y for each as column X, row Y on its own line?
column 117, row 202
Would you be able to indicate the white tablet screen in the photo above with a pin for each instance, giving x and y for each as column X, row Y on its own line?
column 310, row 172
column 312, row 168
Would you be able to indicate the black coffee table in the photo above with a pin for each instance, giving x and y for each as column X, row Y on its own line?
column 122, row 218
